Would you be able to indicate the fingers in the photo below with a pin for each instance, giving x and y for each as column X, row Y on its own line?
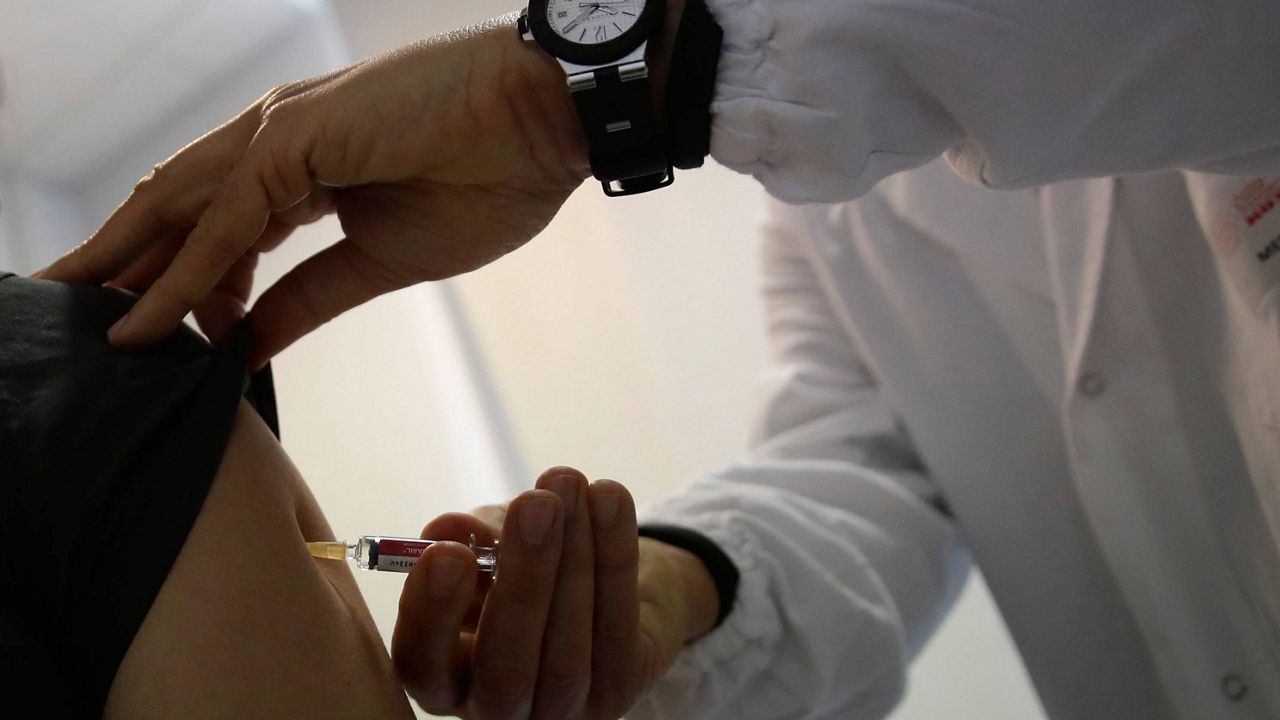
column 508, row 646
column 559, row 636
column 221, row 312
column 564, row 674
column 615, row 675
column 425, row 643
column 151, row 264
column 271, row 175
column 324, row 286
column 459, row 527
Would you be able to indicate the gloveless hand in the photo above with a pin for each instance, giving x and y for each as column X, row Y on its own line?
column 437, row 158
column 582, row 618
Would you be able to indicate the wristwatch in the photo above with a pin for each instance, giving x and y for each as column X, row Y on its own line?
column 601, row 46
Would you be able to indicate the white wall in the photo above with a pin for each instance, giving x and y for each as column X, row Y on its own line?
column 34, row 214
column 13, row 255
column 312, row 48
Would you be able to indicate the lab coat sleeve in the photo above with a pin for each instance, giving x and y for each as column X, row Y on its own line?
column 847, row 559
column 820, row 99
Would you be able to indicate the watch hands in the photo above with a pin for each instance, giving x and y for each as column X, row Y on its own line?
column 592, row 8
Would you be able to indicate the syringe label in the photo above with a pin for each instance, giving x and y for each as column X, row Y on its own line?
column 399, row 555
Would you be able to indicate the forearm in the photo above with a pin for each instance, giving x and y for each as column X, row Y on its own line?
column 820, row 99
column 842, row 579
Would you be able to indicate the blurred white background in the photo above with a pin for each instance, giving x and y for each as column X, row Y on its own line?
column 625, row 340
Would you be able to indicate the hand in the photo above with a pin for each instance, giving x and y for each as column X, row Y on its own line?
column 580, row 621
column 437, row 158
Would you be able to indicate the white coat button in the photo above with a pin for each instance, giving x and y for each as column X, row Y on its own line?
column 1234, row 687
column 1091, row 384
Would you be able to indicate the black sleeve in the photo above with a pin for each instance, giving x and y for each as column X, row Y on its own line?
column 105, row 461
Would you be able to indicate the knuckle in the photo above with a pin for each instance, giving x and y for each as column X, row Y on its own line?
column 150, row 180
column 148, row 185
column 281, row 94
column 284, row 185
column 278, row 161
column 277, row 113
column 147, row 194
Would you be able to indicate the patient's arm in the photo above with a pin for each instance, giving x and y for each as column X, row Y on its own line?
column 247, row 624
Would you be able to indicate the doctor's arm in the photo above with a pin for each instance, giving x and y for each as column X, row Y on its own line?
column 581, row 620
column 818, row 99
column 847, row 557
column 843, row 557
column 821, row 99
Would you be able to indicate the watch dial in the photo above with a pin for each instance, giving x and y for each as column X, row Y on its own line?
column 590, row 23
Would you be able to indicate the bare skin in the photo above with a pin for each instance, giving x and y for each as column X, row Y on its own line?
column 248, row 624
column 583, row 618
column 437, row 158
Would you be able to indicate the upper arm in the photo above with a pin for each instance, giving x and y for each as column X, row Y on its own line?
column 247, row 623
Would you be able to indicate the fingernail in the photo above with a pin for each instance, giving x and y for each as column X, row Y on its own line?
column 535, row 516
column 604, row 509
column 117, row 331
column 566, row 486
column 443, row 574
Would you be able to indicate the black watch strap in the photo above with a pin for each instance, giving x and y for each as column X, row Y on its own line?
column 628, row 155
column 696, row 55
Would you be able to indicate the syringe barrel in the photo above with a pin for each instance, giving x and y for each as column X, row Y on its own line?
column 398, row 554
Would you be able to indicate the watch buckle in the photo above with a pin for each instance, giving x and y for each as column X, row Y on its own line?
column 639, row 184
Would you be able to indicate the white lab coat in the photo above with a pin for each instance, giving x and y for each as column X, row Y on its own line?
column 1058, row 382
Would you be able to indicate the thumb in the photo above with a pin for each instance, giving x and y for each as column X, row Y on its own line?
column 323, row 287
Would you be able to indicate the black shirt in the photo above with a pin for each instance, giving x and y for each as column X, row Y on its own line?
column 105, row 461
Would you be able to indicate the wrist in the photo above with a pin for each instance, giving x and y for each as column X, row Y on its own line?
column 538, row 93
column 678, row 580
column 537, row 84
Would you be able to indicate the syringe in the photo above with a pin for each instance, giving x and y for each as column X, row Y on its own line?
column 396, row 554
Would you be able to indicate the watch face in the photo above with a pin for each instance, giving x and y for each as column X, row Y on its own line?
column 594, row 22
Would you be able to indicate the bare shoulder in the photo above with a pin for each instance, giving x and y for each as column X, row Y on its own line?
column 247, row 623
